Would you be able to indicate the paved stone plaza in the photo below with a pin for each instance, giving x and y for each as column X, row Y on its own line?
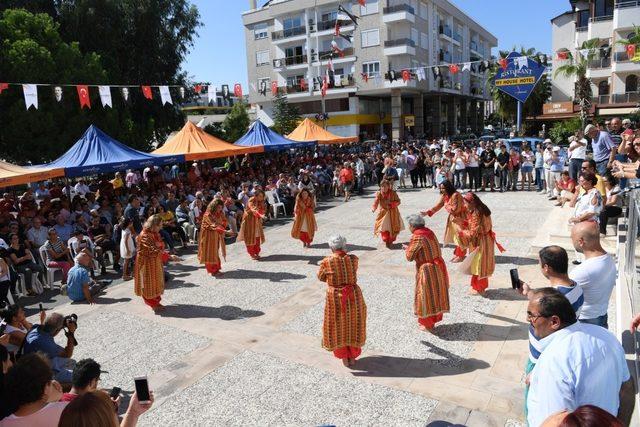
column 245, row 349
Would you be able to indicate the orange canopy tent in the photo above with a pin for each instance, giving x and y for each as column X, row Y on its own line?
column 11, row 175
column 196, row 144
column 309, row 131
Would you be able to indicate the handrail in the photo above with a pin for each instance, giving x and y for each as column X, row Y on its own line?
column 289, row 32
column 398, row 8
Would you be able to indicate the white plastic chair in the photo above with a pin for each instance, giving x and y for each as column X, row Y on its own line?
column 10, row 298
column 51, row 271
column 275, row 203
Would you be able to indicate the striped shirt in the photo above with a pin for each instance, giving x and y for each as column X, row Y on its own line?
column 576, row 298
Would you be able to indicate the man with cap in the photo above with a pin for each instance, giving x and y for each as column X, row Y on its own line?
column 556, row 166
column 602, row 145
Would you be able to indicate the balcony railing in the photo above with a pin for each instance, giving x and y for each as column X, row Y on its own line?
column 602, row 99
column 340, row 82
column 296, row 89
column 398, row 8
column 445, row 57
column 399, row 42
column 289, row 32
column 601, row 18
column 445, row 30
column 331, row 24
column 621, row 57
column 326, row 54
column 289, row 60
column 626, row 4
column 457, row 37
column 626, row 98
column 600, row 63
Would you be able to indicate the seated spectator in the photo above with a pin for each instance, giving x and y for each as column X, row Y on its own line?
column 85, row 379
column 182, row 217
column 6, row 282
column 42, row 191
column 80, row 285
column 58, row 254
column 63, row 229
column 612, row 203
column 589, row 204
column 41, row 339
column 170, row 225
column 102, row 239
column 569, row 371
column 24, row 262
column 583, row 416
column 95, row 408
column 33, row 395
column 17, row 326
column 565, row 187
column 81, row 187
column 37, row 234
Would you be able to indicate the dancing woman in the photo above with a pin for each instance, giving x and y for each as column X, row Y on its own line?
column 388, row 222
column 251, row 231
column 304, row 223
column 431, row 299
column 452, row 201
column 148, row 273
column 211, row 244
column 480, row 239
column 344, row 330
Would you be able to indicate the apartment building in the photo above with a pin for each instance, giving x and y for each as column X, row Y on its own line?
column 289, row 41
column 614, row 77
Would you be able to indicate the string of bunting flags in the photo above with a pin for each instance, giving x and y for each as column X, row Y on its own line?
column 149, row 92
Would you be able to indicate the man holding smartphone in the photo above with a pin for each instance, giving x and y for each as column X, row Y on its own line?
column 85, row 379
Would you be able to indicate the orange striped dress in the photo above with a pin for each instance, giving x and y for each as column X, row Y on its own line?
column 388, row 218
column 251, row 231
column 211, row 241
column 432, row 279
column 456, row 219
column 148, row 276
column 479, row 235
column 345, row 313
column 305, row 220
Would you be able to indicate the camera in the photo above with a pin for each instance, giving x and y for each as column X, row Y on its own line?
column 68, row 320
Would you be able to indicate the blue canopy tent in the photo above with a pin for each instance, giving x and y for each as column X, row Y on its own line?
column 260, row 135
column 96, row 153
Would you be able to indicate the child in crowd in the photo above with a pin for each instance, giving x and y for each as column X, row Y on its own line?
column 127, row 246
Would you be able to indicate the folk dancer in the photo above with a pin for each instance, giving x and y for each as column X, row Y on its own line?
column 344, row 330
column 304, row 223
column 150, row 256
column 211, row 244
column 388, row 222
column 251, row 231
column 480, row 239
column 431, row 299
column 452, row 201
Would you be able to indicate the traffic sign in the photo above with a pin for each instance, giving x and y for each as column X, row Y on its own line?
column 520, row 76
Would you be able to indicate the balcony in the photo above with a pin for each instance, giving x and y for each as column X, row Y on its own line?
column 626, row 98
column 341, row 82
column 348, row 52
column 293, row 62
column 399, row 47
column 457, row 37
column 296, row 89
column 600, row 63
column 328, row 27
column 289, row 33
column 445, row 57
column 398, row 13
column 622, row 64
column 477, row 49
column 599, row 68
column 626, row 14
column 600, row 27
column 445, row 31
column 621, row 57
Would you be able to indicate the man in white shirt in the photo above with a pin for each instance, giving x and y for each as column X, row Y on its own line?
column 577, row 154
column 582, row 364
column 81, row 188
column 37, row 234
column 596, row 275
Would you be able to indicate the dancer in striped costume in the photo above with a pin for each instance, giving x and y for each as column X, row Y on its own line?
column 344, row 330
column 213, row 230
column 480, row 239
column 251, row 231
column 452, row 201
column 304, row 223
column 388, row 222
column 150, row 255
column 431, row 299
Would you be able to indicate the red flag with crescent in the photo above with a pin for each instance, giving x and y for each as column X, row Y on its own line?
column 83, row 96
column 454, row 68
column 146, row 91
column 303, row 85
column 274, row 88
column 197, row 88
column 631, row 50
column 237, row 90
column 406, row 75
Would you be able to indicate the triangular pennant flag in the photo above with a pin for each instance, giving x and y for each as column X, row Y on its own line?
column 466, row 66
column 584, row 52
column 337, row 28
column 420, row 74
column 503, row 63
column 30, row 92
column 336, row 49
column 349, row 15
column 365, row 77
column 83, row 96
column 406, row 75
column 454, row 68
column 105, row 96
column 330, row 64
column 146, row 91
column 237, row 90
column 631, row 50
column 474, row 68
column 212, row 96
column 436, row 72
column 348, row 38
column 303, row 84
column 274, row 88
column 165, row 95
column 325, row 86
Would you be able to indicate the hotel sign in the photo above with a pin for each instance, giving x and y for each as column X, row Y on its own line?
column 520, row 76
column 558, row 108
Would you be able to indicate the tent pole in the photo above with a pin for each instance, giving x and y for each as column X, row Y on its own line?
column 66, row 186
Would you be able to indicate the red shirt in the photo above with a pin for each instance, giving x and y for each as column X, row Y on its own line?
column 346, row 175
column 68, row 397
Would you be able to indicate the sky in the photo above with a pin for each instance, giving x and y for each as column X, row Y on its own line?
column 219, row 56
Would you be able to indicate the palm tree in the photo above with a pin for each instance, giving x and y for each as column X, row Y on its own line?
column 506, row 106
column 634, row 40
column 577, row 68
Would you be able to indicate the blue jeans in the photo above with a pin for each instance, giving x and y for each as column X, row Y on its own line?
column 601, row 167
column 540, row 178
column 575, row 166
column 599, row 321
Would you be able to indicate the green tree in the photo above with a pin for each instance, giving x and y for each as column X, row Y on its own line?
column 31, row 50
column 236, row 123
column 507, row 106
column 562, row 130
column 215, row 129
column 577, row 68
column 286, row 117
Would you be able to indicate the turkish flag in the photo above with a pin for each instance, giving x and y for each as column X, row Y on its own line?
column 274, row 88
column 237, row 90
column 146, row 91
column 454, row 68
column 83, row 95
column 503, row 63
column 303, row 85
column 631, row 50
column 563, row 55
column 198, row 88
column 362, row 2
column 365, row 77
column 3, row 86
column 325, row 86
column 406, row 75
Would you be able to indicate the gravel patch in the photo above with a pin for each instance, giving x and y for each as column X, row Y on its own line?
column 262, row 389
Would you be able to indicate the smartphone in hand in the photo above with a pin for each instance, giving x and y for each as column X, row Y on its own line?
column 115, row 392
column 142, row 389
column 515, row 279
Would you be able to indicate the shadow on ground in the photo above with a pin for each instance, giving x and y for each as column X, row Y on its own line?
column 311, row 259
column 350, row 247
column 262, row 275
column 225, row 312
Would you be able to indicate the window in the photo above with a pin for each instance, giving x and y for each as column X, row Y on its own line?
column 415, row 36
column 262, row 57
column 290, row 23
column 371, row 69
column 631, row 83
column 424, row 40
column 260, row 31
column 603, row 88
column 422, row 11
column 329, row 16
column 294, row 80
column 583, row 18
column 603, row 8
column 291, row 52
column 370, row 7
column 370, row 38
